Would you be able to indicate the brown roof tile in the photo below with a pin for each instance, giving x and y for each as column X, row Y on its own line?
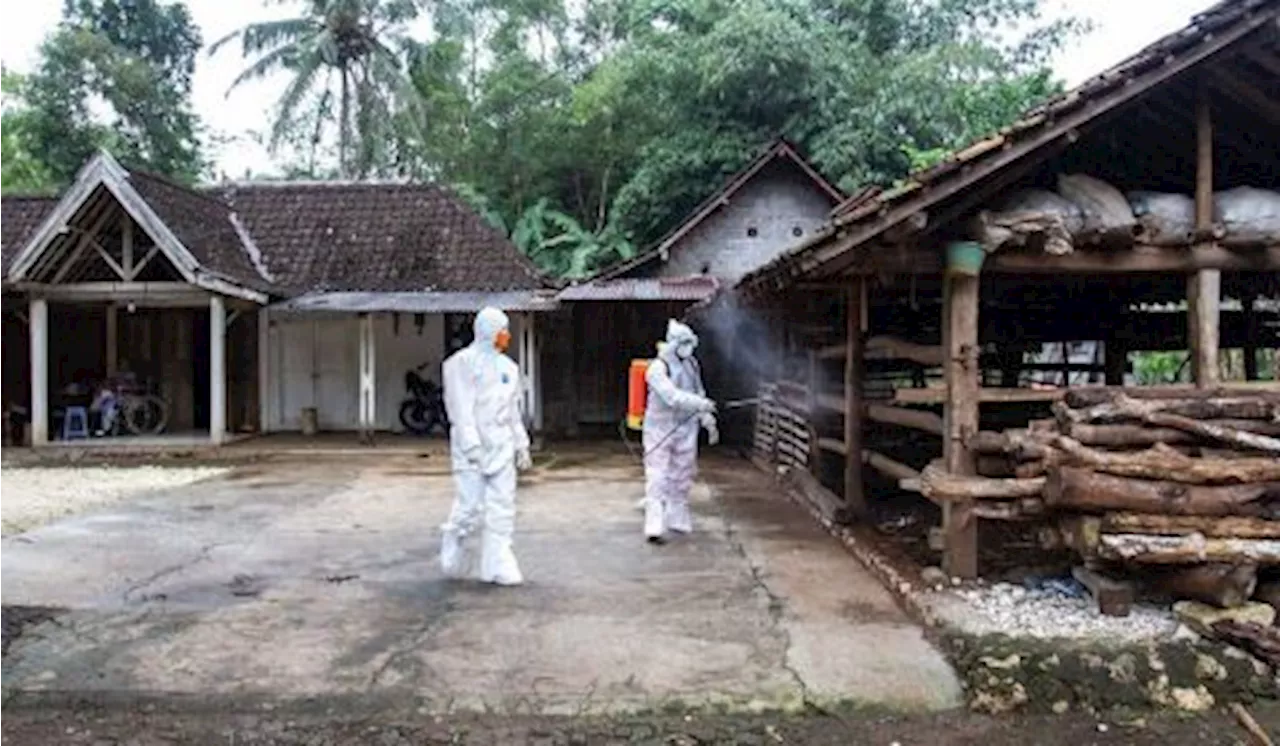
column 321, row 236
column 345, row 236
column 20, row 218
column 204, row 224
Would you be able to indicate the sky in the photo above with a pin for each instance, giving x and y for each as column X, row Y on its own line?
column 1121, row 27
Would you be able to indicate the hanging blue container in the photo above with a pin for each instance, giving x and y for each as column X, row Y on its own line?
column 965, row 257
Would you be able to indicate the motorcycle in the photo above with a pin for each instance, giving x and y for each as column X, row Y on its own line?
column 424, row 410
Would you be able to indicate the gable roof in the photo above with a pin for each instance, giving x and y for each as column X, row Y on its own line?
column 219, row 267
column 778, row 149
column 286, row 238
column 864, row 217
column 376, row 237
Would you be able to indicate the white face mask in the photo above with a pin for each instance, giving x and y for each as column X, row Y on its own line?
column 684, row 350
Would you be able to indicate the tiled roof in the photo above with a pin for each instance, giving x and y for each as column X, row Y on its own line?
column 290, row 238
column 874, row 209
column 348, row 236
column 204, row 225
column 20, row 218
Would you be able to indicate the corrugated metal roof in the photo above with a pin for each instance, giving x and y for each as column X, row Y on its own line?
column 420, row 302
column 695, row 288
column 862, row 210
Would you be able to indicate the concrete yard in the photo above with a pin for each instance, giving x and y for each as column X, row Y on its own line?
column 318, row 578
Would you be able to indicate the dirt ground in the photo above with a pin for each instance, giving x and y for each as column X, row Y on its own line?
column 91, row 725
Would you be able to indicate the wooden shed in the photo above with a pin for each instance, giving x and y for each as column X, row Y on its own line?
column 912, row 319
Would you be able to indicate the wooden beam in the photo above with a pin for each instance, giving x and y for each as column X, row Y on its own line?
column 87, row 239
column 1263, row 59
column 853, row 494
column 1204, row 289
column 1247, row 95
column 913, row 418
column 938, row 395
column 1138, row 259
column 833, row 445
column 145, row 294
column 960, row 417
column 823, row 259
column 888, row 467
column 130, row 270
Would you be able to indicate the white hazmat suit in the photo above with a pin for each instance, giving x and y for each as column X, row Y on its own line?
column 677, row 404
column 487, row 443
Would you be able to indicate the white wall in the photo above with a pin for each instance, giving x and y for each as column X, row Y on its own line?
column 313, row 361
column 397, row 352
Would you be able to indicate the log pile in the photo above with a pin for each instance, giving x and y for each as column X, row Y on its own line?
column 1181, row 495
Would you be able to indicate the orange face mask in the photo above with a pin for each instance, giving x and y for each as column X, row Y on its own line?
column 503, row 340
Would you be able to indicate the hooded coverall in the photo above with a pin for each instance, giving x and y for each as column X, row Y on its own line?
column 487, row 443
column 676, row 405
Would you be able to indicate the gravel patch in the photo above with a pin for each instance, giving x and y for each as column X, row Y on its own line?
column 1045, row 614
column 36, row 496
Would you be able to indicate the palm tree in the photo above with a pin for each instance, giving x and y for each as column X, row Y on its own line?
column 361, row 43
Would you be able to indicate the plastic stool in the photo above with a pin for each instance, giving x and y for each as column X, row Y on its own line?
column 75, row 423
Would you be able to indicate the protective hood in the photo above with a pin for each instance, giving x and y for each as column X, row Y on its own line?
column 681, row 339
column 489, row 323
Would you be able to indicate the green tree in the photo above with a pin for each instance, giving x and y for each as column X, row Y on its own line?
column 622, row 115
column 353, row 51
column 23, row 171
column 137, row 58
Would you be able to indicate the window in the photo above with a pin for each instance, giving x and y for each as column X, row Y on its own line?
column 797, row 231
column 752, row 232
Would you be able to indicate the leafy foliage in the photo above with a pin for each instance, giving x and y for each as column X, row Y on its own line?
column 137, row 58
column 625, row 114
column 353, row 50
column 584, row 129
column 23, row 169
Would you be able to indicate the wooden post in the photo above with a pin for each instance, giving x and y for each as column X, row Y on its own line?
column 960, row 416
column 112, row 339
column 38, row 318
column 368, row 368
column 855, row 305
column 217, row 370
column 1115, row 358
column 1250, row 339
column 264, row 370
column 1204, row 289
column 815, row 453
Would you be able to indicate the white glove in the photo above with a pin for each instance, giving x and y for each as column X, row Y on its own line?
column 708, row 422
column 524, row 461
column 706, row 406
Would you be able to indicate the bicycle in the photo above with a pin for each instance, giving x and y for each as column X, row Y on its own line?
column 140, row 411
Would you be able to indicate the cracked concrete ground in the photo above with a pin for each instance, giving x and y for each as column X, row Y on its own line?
column 318, row 579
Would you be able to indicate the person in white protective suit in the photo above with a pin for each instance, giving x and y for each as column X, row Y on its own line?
column 487, row 444
column 677, row 405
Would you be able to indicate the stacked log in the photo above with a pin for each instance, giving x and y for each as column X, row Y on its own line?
column 1181, row 493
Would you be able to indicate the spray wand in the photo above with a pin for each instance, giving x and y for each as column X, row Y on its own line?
column 734, row 404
